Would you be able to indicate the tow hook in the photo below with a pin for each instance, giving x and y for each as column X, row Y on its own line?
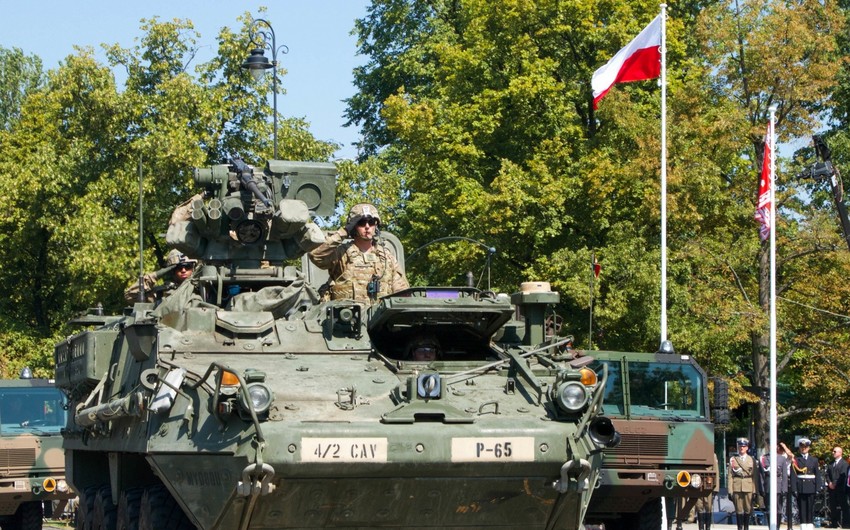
column 254, row 482
column 574, row 475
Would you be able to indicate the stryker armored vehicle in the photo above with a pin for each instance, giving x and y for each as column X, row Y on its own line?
column 243, row 400
column 32, row 465
column 658, row 403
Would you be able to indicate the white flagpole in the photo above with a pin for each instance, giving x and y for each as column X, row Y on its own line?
column 773, row 434
column 663, row 172
column 663, row 50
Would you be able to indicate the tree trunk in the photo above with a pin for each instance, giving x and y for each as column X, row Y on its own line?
column 760, row 377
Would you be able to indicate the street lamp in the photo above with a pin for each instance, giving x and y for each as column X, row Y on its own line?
column 262, row 37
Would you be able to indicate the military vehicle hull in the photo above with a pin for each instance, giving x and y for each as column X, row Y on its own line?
column 340, row 447
column 658, row 404
column 32, row 463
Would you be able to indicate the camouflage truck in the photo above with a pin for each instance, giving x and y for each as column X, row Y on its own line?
column 32, row 464
column 659, row 404
column 243, row 400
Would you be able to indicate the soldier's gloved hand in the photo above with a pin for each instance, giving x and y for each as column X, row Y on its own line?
column 162, row 272
column 351, row 225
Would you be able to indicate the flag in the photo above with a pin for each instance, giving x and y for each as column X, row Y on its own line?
column 639, row 60
column 597, row 268
column 765, row 182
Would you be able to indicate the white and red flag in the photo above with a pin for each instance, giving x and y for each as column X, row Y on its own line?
column 765, row 183
column 639, row 60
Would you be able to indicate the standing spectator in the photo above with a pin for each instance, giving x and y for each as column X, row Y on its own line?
column 782, row 472
column 805, row 477
column 741, row 483
column 836, row 482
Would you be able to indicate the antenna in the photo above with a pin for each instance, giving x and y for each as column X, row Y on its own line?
column 141, row 236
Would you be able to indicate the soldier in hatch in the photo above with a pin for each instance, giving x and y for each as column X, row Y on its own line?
column 424, row 348
column 361, row 269
column 178, row 267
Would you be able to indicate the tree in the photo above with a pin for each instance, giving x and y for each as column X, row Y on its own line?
column 71, row 163
column 19, row 76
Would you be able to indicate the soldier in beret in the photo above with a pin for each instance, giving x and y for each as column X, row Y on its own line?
column 742, row 484
column 361, row 269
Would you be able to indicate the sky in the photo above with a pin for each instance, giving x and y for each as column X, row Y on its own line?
column 322, row 52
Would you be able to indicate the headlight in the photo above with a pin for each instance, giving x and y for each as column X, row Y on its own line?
column 696, row 480
column 572, row 396
column 261, row 398
column 62, row 486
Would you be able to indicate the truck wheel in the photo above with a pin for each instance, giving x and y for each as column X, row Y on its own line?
column 159, row 511
column 85, row 508
column 28, row 517
column 128, row 509
column 103, row 515
column 649, row 516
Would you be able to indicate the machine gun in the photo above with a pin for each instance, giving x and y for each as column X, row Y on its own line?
column 824, row 170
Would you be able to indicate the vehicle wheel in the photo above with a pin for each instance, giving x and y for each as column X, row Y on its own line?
column 85, row 508
column 159, row 511
column 649, row 516
column 128, row 509
column 104, row 512
column 28, row 517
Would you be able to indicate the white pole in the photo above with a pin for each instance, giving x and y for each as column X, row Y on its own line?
column 663, row 199
column 774, row 509
column 663, row 172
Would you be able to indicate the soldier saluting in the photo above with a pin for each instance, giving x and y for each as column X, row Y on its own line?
column 805, row 477
column 742, row 484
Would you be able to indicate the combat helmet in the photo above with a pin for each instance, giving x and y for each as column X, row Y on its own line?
column 175, row 257
column 363, row 211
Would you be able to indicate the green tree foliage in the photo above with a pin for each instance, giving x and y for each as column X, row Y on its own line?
column 483, row 111
column 19, row 75
column 71, row 161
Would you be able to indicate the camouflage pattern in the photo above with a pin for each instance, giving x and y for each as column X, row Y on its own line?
column 351, row 270
column 32, row 462
column 361, row 211
column 659, row 405
column 242, row 401
column 175, row 257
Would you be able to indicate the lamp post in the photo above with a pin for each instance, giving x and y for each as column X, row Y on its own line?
column 262, row 37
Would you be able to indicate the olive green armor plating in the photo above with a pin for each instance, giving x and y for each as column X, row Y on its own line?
column 243, row 401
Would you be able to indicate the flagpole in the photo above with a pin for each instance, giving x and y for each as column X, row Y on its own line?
column 663, row 172
column 590, row 324
column 773, row 418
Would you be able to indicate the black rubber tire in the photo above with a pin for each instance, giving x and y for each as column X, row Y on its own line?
column 85, row 508
column 104, row 512
column 128, row 509
column 649, row 516
column 159, row 511
column 28, row 517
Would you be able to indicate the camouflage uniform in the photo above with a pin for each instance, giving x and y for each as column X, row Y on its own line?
column 175, row 257
column 351, row 270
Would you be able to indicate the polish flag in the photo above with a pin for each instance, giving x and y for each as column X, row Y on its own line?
column 765, row 183
column 639, row 60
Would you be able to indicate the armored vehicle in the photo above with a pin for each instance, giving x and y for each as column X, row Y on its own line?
column 32, row 465
column 244, row 400
column 658, row 403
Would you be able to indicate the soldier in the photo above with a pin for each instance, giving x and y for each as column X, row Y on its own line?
column 362, row 269
column 703, row 505
column 741, row 483
column 836, row 482
column 805, row 477
column 782, row 465
column 177, row 264
column 424, row 348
